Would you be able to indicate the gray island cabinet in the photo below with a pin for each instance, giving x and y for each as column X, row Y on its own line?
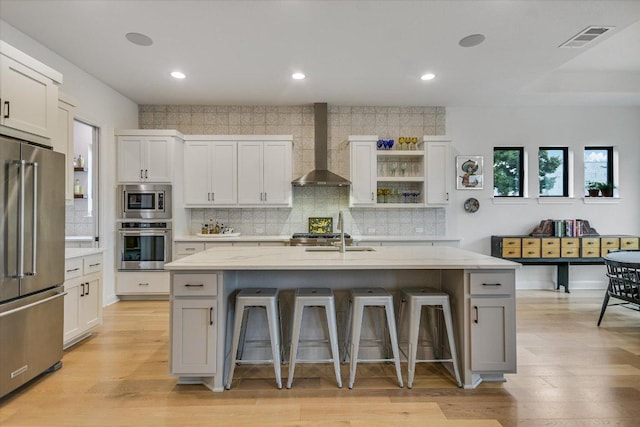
column 482, row 291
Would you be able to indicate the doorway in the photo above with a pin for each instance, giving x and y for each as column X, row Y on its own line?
column 86, row 184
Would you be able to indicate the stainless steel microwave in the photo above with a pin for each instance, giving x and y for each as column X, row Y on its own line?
column 144, row 201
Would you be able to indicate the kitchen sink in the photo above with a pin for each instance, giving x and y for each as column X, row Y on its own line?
column 337, row 249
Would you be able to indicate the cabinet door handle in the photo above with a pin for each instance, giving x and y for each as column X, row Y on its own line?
column 189, row 249
column 141, row 174
column 210, row 315
column 146, row 174
column 88, row 287
column 492, row 284
column 447, row 197
column 265, row 196
column 143, row 284
column 208, row 197
column 213, row 197
column 94, row 265
column 73, row 269
column 475, row 309
column 7, row 109
column 82, row 292
column 189, row 285
column 372, row 195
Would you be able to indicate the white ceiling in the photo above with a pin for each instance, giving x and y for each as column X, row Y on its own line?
column 353, row 52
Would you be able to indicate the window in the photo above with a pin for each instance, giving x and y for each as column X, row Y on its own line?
column 553, row 171
column 508, row 171
column 598, row 167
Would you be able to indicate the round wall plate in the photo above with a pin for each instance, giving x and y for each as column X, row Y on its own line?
column 471, row 205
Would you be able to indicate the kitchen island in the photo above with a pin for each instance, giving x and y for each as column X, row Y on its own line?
column 482, row 291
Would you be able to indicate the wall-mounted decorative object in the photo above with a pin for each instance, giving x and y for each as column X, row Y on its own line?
column 471, row 205
column 469, row 172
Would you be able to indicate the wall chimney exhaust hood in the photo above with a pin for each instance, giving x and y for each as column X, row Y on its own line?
column 321, row 176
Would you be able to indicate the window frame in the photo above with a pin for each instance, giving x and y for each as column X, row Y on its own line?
column 611, row 175
column 522, row 172
column 565, row 170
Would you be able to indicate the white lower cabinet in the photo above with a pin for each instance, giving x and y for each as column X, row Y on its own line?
column 194, row 324
column 83, row 302
column 493, row 322
column 142, row 283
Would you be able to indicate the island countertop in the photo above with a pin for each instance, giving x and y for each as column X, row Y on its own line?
column 297, row 258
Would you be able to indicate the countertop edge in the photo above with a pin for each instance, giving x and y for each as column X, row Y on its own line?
column 70, row 253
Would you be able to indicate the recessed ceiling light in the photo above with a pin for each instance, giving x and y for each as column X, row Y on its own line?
column 472, row 40
column 298, row 76
column 139, row 39
column 178, row 75
column 428, row 76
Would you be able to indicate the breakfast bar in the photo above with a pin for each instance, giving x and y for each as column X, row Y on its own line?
column 203, row 285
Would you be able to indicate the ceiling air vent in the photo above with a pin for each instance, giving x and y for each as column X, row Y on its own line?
column 586, row 36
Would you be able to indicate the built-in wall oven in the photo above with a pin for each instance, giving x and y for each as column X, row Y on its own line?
column 143, row 245
column 144, row 201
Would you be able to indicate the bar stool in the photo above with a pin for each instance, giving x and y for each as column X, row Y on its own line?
column 416, row 299
column 314, row 297
column 359, row 299
column 246, row 300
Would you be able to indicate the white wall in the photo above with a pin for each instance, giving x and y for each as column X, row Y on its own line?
column 98, row 105
column 475, row 131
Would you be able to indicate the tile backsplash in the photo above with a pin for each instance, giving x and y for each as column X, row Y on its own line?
column 386, row 122
column 77, row 221
column 324, row 202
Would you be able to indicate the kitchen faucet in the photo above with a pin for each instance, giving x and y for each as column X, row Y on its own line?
column 341, row 228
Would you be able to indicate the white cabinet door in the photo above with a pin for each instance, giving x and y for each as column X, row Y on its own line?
column 73, row 325
column 158, row 159
column 63, row 143
column 438, row 172
column 29, row 99
column 277, row 173
column 130, row 152
column 250, row 170
column 493, row 347
column 363, row 173
column 193, row 340
column 90, row 302
column 223, row 172
column 197, row 173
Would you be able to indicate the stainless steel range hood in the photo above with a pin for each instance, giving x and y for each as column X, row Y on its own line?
column 321, row 176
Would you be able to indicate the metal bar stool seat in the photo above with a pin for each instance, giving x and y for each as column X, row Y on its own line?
column 359, row 299
column 314, row 297
column 413, row 301
column 246, row 300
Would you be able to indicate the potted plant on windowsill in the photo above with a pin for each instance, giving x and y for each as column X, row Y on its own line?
column 606, row 188
column 593, row 188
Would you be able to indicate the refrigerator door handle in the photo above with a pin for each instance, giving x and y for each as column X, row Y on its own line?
column 34, row 237
column 20, row 243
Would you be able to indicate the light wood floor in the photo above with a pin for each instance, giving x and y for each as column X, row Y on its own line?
column 570, row 373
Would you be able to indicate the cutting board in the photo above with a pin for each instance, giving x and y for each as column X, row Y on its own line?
column 320, row 225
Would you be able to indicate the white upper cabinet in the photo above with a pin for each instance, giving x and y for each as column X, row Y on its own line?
column 146, row 155
column 28, row 96
column 264, row 173
column 210, row 173
column 363, row 170
column 438, row 170
column 63, row 141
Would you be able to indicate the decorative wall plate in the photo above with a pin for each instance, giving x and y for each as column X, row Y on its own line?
column 471, row 205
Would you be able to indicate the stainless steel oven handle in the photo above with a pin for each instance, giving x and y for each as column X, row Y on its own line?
column 33, row 304
column 34, row 236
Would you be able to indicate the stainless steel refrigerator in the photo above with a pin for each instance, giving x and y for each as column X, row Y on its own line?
column 31, row 260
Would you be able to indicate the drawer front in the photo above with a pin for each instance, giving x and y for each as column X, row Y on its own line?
column 510, row 242
column 511, row 252
column 138, row 283
column 72, row 268
column 189, row 248
column 533, row 252
column 501, row 283
column 629, row 243
column 530, row 243
column 570, row 242
column 590, row 252
column 195, row 284
column 551, row 252
column 570, row 252
column 92, row 263
column 551, row 242
column 609, row 243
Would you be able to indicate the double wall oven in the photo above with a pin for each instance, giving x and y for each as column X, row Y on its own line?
column 144, row 228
